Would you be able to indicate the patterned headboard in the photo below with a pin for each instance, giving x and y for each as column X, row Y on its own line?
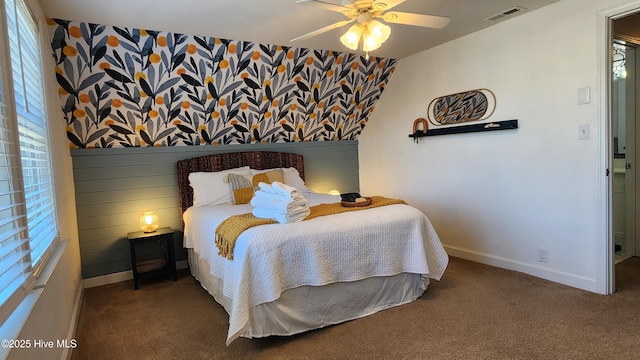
column 217, row 162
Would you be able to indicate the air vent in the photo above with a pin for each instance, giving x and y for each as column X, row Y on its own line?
column 502, row 14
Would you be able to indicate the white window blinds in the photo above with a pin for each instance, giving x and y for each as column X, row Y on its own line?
column 28, row 222
column 15, row 260
column 26, row 66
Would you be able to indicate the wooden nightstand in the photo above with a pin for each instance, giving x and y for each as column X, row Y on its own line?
column 166, row 265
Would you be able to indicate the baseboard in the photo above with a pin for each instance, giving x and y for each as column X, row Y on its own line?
column 121, row 276
column 75, row 318
column 580, row 282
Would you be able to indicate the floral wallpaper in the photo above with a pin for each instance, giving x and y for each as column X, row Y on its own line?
column 124, row 87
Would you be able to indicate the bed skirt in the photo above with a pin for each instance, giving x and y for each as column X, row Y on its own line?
column 311, row 307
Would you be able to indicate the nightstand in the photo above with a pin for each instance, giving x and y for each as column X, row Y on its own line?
column 166, row 265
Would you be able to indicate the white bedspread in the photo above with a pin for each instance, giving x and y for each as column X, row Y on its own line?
column 269, row 259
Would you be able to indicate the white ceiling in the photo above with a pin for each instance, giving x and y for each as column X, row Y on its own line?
column 279, row 21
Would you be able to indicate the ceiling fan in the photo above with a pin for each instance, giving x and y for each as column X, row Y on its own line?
column 364, row 13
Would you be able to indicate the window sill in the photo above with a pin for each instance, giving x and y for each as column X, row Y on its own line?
column 12, row 327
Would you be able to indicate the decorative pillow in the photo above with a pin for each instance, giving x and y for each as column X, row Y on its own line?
column 268, row 177
column 291, row 178
column 243, row 186
column 209, row 187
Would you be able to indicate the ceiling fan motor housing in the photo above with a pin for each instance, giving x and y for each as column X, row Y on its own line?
column 364, row 18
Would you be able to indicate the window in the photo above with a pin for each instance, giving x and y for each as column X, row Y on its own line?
column 28, row 221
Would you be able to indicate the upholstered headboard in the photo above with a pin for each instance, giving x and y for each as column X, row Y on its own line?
column 258, row 160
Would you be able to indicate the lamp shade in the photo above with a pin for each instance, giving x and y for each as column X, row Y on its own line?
column 374, row 35
column 149, row 221
column 351, row 38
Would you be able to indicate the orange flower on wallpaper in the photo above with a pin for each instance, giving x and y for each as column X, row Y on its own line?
column 154, row 58
column 113, row 41
column 75, row 32
column 70, row 51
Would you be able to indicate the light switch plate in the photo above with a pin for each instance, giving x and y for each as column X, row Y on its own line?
column 584, row 95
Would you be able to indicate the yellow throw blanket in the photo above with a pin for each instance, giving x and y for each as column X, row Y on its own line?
column 230, row 229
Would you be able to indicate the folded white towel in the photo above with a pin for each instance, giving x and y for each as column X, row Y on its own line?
column 281, row 217
column 293, row 197
column 267, row 188
column 279, row 188
column 284, row 189
column 280, row 205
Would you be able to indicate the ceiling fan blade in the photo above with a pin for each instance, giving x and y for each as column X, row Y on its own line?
column 430, row 21
column 384, row 5
column 323, row 30
column 326, row 5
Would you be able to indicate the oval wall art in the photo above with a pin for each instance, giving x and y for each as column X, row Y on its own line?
column 461, row 107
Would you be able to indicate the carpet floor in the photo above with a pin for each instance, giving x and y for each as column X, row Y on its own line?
column 475, row 312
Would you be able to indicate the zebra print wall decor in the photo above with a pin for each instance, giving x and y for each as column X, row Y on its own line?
column 461, row 107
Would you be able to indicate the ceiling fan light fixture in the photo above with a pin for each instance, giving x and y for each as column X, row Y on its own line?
column 374, row 35
column 351, row 38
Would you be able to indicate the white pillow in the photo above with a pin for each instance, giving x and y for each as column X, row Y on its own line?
column 291, row 178
column 209, row 188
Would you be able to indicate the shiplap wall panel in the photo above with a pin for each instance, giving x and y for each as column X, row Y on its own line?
column 114, row 186
column 89, row 186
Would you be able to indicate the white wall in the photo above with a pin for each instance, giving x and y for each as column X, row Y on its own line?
column 498, row 197
column 54, row 315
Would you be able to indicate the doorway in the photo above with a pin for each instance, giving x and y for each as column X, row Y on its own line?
column 624, row 120
column 620, row 79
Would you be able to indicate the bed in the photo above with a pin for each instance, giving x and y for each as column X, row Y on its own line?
column 285, row 279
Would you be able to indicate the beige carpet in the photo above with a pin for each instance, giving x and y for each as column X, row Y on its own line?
column 475, row 312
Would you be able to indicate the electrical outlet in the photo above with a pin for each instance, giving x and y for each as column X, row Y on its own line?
column 543, row 255
column 583, row 132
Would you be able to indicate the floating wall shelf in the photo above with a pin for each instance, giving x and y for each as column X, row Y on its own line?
column 492, row 126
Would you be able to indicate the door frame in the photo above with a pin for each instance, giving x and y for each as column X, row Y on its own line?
column 631, row 115
column 606, row 253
